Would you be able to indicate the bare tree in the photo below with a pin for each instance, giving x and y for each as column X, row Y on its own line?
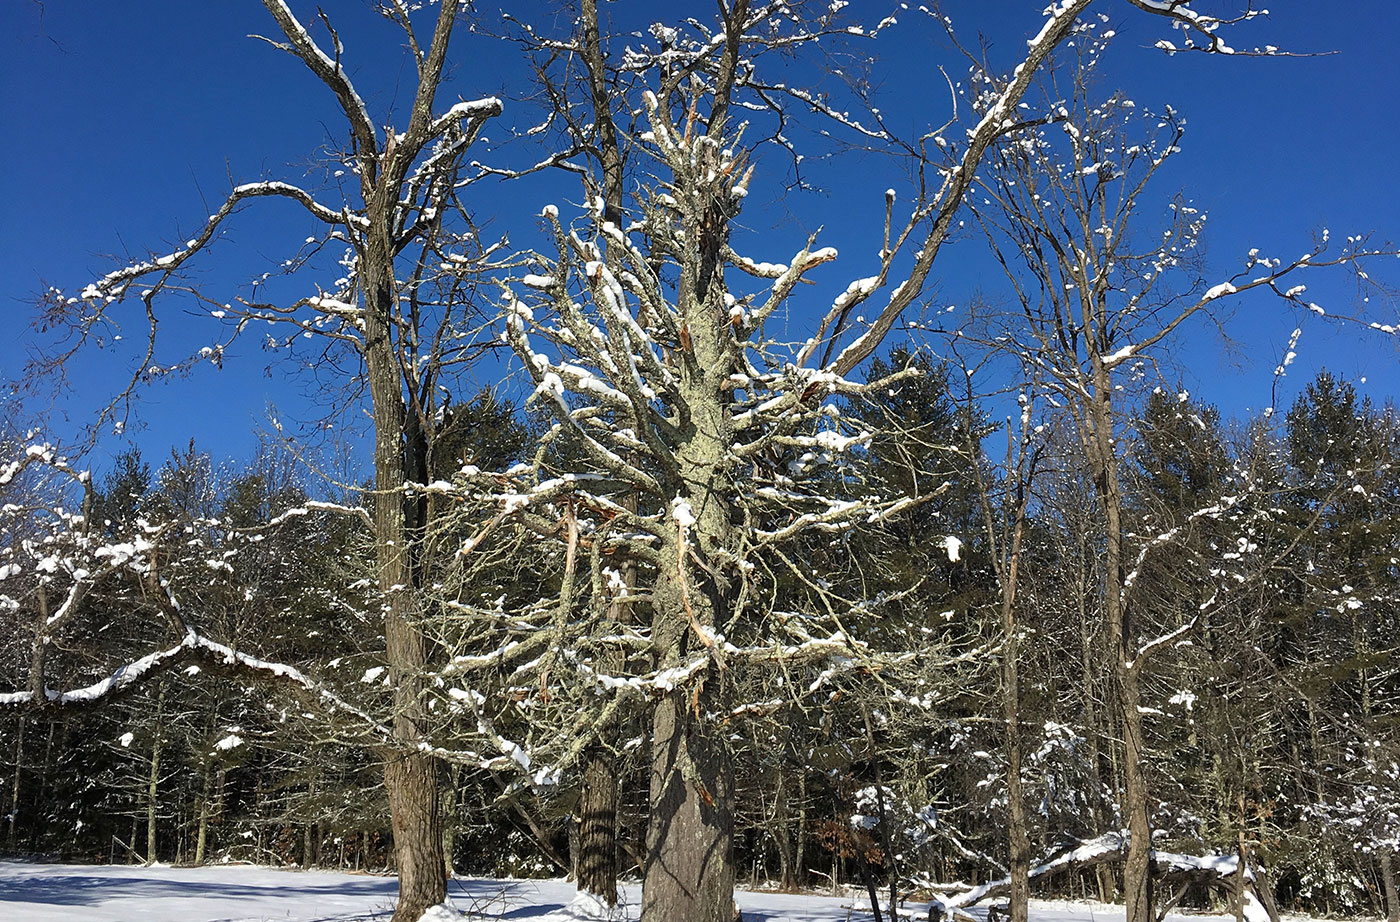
column 390, row 311
column 657, row 362
column 1094, row 299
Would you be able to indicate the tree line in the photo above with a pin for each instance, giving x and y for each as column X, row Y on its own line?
column 1268, row 730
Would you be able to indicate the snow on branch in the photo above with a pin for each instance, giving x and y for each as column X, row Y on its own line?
column 999, row 117
column 328, row 69
column 123, row 678
column 475, row 112
column 308, row 507
column 41, row 453
column 1202, row 30
column 113, row 286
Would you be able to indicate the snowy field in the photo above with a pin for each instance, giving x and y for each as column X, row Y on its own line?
column 87, row 893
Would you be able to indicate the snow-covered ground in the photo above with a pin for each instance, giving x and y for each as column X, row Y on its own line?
column 86, row 893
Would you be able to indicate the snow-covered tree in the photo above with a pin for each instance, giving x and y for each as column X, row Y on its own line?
column 1095, row 302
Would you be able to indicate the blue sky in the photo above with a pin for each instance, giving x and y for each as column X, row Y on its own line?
column 127, row 122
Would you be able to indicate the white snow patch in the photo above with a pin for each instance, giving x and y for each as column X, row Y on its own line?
column 1217, row 291
column 37, row 893
column 682, row 513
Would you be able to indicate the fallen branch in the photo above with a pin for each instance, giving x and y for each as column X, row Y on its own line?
column 1218, row 871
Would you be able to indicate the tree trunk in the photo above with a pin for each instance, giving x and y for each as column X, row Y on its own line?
column 1017, row 827
column 787, row 865
column 1091, row 721
column 14, row 785
column 1137, row 872
column 153, row 781
column 869, row 877
column 1101, row 448
column 202, row 834
column 689, row 872
column 1243, row 853
column 1137, row 882
column 309, row 838
column 597, row 863
column 598, row 797
column 410, row 777
column 801, row 859
column 1392, row 893
column 451, row 804
column 1017, row 834
column 887, row 835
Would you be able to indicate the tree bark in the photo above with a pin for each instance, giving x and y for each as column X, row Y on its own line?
column 1097, row 432
column 1091, row 720
column 1017, row 831
column 410, row 777
column 202, row 834
column 153, row 781
column 868, row 876
column 1243, row 854
column 309, row 838
column 1137, row 882
column 787, row 864
column 597, row 863
column 599, row 794
column 689, row 871
column 1392, row 893
column 14, row 785
column 451, row 805
column 800, row 859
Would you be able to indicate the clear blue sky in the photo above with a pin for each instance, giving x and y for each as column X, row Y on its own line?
column 127, row 121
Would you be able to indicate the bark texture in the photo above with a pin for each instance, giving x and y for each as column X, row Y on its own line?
column 689, row 871
column 1392, row 893
column 1097, row 432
